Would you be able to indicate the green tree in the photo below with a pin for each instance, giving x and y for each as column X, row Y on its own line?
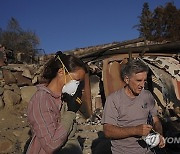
column 162, row 24
column 18, row 40
column 158, row 24
column 172, row 18
column 145, row 25
column 13, row 26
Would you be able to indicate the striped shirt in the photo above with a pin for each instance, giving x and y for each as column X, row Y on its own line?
column 43, row 113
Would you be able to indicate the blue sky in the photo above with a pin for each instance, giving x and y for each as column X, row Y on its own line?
column 69, row 24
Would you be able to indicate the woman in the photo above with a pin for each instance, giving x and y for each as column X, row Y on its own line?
column 52, row 128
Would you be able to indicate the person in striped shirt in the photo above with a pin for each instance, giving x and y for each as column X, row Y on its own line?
column 51, row 120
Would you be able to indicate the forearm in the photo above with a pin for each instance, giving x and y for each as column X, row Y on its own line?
column 158, row 127
column 115, row 132
column 67, row 120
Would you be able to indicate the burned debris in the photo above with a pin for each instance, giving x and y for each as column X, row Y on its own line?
column 17, row 83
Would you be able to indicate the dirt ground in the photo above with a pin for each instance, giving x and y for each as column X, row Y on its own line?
column 14, row 132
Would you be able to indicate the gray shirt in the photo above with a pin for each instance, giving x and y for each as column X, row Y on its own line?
column 121, row 110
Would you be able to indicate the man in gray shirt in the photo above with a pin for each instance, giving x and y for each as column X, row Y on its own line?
column 126, row 112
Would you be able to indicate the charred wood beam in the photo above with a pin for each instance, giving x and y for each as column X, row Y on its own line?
column 173, row 48
column 114, row 45
column 117, row 45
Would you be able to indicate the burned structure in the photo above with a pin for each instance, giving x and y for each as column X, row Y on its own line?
column 17, row 84
column 163, row 60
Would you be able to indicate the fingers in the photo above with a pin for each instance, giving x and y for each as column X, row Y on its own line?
column 162, row 142
column 64, row 96
column 148, row 126
column 146, row 129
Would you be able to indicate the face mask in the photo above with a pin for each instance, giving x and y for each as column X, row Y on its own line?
column 152, row 140
column 70, row 87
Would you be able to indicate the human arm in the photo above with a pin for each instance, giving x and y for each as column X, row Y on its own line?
column 157, row 125
column 155, row 122
column 68, row 112
column 115, row 132
column 110, row 121
column 158, row 128
column 68, row 121
column 67, row 118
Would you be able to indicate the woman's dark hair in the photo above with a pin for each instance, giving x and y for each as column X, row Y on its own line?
column 71, row 62
column 133, row 66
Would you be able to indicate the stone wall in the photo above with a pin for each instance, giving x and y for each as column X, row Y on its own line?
column 17, row 83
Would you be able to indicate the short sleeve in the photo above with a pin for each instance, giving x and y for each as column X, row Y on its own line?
column 110, row 113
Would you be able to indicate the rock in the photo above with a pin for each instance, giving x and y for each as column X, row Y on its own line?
column 16, row 89
column 13, row 87
column 87, row 134
column 99, row 128
column 1, row 103
column 26, row 73
column 40, row 70
column 17, row 133
column 8, row 77
column 35, row 79
column 2, row 82
column 7, row 87
column 86, row 127
column 1, row 74
column 11, row 98
column 21, row 80
column 1, row 90
column 27, row 92
column 24, row 137
column 81, row 120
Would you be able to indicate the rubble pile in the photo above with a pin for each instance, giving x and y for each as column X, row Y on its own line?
column 90, row 134
column 16, row 88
